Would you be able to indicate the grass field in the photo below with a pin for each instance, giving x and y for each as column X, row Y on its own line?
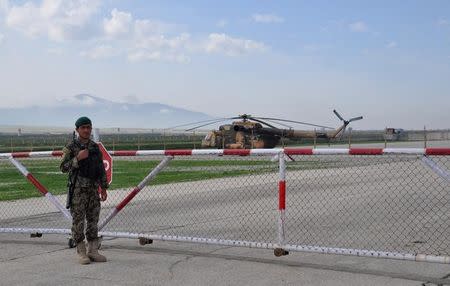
column 129, row 173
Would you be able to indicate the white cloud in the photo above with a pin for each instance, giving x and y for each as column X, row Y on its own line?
column 141, row 55
column 222, row 43
column 4, row 5
column 100, row 52
column 165, row 111
column 143, row 28
column 55, row 51
column 78, row 100
column 155, row 47
column 443, row 22
column 267, row 18
column 119, row 23
column 57, row 19
column 391, row 45
column 222, row 23
column 358, row 27
column 150, row 43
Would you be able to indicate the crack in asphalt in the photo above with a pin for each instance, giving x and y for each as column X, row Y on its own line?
column 172, row 266
column 294, row 264
column 437, row 284
column 32, row 255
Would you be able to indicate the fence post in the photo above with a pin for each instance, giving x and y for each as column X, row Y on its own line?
column 424, row 137
column 281, row 204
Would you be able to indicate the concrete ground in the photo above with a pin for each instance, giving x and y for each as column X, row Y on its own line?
column 48, row 261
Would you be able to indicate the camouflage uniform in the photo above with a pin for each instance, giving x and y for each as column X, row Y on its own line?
column 89, row 174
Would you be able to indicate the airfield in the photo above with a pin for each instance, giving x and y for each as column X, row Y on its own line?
column 334, row 211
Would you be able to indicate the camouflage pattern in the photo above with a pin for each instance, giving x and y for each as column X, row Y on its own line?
column 86, row 201
column 70, row 164
column 85, row 205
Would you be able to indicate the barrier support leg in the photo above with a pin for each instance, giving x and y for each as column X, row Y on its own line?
column 281, row 206
column 40, row 188
column 435, row 167
column 135, row 191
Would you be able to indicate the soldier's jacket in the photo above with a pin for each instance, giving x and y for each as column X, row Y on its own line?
column 90, row 171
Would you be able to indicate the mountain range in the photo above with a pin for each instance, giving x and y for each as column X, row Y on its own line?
column 103, row 113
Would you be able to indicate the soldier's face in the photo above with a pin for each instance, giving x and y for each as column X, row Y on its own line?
column 85, row 131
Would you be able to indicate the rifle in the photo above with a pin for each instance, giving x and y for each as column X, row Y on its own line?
column 71, row 184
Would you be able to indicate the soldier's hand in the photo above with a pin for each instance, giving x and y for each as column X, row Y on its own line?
column 83, row 154
column 103, row 195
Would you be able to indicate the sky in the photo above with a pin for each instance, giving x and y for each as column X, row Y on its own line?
column 388, row 61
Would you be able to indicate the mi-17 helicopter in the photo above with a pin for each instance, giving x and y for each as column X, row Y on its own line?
column 250, row 132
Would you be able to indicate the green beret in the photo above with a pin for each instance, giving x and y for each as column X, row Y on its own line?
column 82, row 121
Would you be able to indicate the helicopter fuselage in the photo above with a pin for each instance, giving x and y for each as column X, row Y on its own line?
column 249, row 133
column 241, row 135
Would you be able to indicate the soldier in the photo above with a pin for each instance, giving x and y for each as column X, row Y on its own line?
column 83, row 161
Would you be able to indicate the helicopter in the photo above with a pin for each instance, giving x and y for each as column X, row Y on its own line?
column 250, row 132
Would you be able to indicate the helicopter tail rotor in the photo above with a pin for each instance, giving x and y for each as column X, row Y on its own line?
column 355, row 118
column 346, row 122
column 338, row 115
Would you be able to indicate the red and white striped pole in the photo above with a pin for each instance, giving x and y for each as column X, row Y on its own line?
column 136, row 190
column 281, row 197
column 40, row 187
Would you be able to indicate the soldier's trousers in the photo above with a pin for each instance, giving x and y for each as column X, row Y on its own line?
column 85, row 206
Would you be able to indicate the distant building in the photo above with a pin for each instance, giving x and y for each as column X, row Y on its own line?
column 393, row 134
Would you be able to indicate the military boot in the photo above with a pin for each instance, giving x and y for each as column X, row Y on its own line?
column 93, row 252
column 81, row 250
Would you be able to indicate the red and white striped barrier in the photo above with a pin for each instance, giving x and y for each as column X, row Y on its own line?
column 40, row 187
column 252, row 152
column 288, row 151
column 135, row 191
column 169, row 154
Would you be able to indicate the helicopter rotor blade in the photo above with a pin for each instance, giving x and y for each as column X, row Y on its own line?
column 298, row 122
column 260, row 121
column 338, row 115
column 197, row 122
column 355, row 118
column 209, row 123
column 282, row 124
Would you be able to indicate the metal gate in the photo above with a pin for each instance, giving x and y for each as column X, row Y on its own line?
column 391, row 203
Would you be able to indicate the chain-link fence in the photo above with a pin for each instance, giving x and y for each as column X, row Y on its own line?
column 39, row 139
column 332, row 202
